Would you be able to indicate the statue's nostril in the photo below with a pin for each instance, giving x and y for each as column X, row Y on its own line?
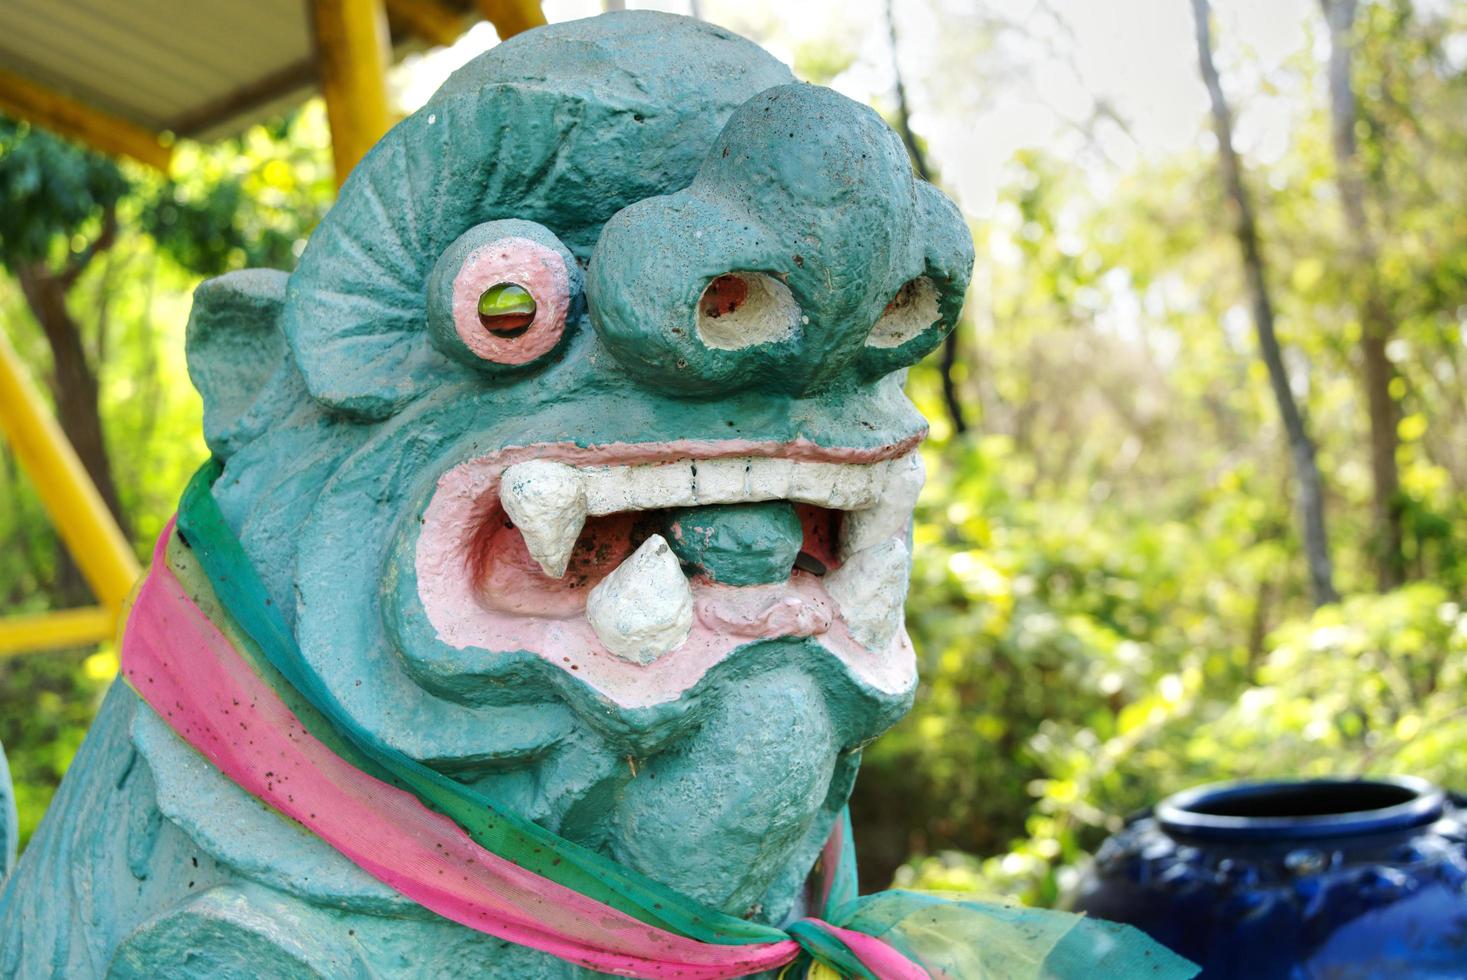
column 506, row 310
column 742, row 309
column 724, row 295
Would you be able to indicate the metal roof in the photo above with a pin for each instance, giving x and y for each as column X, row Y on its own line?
column 196, row 68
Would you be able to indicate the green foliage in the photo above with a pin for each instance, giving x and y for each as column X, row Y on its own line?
column 249, row 201
column 48, row 705
column 1372, row 686
column 49, row 190
column 1109, row 598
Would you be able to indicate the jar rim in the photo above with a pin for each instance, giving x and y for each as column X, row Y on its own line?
column 1291, row 810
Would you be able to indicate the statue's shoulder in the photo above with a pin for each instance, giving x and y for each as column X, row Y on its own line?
column 293, row 906
column 240, row 832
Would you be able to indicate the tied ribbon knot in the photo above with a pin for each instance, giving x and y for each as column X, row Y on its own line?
column 852, row 954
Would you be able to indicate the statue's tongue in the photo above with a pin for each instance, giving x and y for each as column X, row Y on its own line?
column 737, row 544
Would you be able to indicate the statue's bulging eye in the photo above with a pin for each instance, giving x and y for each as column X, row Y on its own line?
column 506, row 310
column 503, row 295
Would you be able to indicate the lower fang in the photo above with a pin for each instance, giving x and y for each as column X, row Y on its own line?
column 871, row 588
column 644, row 609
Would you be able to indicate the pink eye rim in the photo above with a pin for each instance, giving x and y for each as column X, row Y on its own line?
column 537, row 269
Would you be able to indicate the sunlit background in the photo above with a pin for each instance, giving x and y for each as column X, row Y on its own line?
column 1105, row 84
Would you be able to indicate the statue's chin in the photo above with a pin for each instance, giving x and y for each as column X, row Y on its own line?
column 741, row 805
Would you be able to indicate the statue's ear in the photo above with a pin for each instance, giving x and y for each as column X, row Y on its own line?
column 235, row 348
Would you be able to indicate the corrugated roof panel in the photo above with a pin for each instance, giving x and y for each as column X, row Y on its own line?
column 154, row 61
column 228, row 34
column 175, row 54
column 33, row 47
column 202, row 68
column 74, row 63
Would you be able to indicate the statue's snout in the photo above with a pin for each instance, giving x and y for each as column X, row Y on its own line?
column 805, row 256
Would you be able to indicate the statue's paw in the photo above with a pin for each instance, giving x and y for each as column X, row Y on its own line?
column 237, row 932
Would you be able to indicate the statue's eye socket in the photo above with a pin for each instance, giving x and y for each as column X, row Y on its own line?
column 742, row 309
column 911, row 312
column 499, row 299
column 903, row 298
column 723, row 296
column 506, row 310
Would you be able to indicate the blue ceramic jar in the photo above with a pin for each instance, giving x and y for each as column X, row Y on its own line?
column 1338, row 879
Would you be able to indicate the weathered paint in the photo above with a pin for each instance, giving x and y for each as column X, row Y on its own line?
column 613, row 167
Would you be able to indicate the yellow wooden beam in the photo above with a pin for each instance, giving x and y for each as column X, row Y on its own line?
column 54, row 630
column 24, row 99
column 428, row 19
column 510, row 17
column 76, row 508
column 352, row 54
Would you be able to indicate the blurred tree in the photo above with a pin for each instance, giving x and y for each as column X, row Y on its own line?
column 103, row 259
column 59, row 213
column 1310, row 487
column 949, row 357
column 1107, row 598
column 1377, row 323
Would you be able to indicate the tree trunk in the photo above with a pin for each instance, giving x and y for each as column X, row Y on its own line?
column 1301, row 447
column 73, row 383
column 945, row 367
column 1376, row 323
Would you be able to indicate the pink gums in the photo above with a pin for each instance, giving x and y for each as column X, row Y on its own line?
column 451, row 547
column 542, row 273
column 187, row 671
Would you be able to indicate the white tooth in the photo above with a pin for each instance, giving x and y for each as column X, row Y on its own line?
column 654, row 486
column 857, row 486
column 769, row 479
column 892, row 512
column 644, row 609
column 665, row 484
column 645, row 486
column 721, row 481
column 607, row 488
column 547, row 502
column 812, row 482
column 870, row 589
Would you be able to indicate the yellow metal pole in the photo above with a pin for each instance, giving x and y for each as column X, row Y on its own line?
column 428, row 19
column 66, row 628
column 352, row 52
column 510, row 17
column 24, row 99
column 76, row 508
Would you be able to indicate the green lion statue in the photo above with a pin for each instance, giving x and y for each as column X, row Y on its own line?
column 547, row 579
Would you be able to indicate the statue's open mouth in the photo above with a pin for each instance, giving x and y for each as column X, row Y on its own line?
column 590, row 558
